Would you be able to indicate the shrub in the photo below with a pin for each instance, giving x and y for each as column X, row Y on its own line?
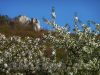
column 70, row 55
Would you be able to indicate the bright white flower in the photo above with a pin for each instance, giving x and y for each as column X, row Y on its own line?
column 5, row 65
column 83, row 25
column 53, row 52
column 76, row 18
column 71, row 73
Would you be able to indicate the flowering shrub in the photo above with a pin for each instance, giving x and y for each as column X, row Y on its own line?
column 71, row 54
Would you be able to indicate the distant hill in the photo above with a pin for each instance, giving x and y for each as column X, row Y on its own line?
column 19, row 23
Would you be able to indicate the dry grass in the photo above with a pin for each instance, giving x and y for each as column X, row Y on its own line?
column 22, row 32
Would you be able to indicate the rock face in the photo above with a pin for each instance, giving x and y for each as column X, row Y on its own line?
column 35, row 24
column 24, row 20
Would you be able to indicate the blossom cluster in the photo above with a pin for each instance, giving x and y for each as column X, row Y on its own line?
column 70, row 54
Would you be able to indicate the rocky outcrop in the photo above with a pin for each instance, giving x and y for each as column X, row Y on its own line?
column 35, row 24
column 25, row 22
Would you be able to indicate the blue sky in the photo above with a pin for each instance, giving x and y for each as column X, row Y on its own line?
column 65, row 9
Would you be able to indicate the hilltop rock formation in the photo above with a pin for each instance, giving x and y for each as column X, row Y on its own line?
column 25, row 22
column 35, row 24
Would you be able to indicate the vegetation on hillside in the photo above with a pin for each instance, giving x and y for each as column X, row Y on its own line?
column 57, row 52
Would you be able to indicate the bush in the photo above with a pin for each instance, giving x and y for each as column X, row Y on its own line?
column 70, row 55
